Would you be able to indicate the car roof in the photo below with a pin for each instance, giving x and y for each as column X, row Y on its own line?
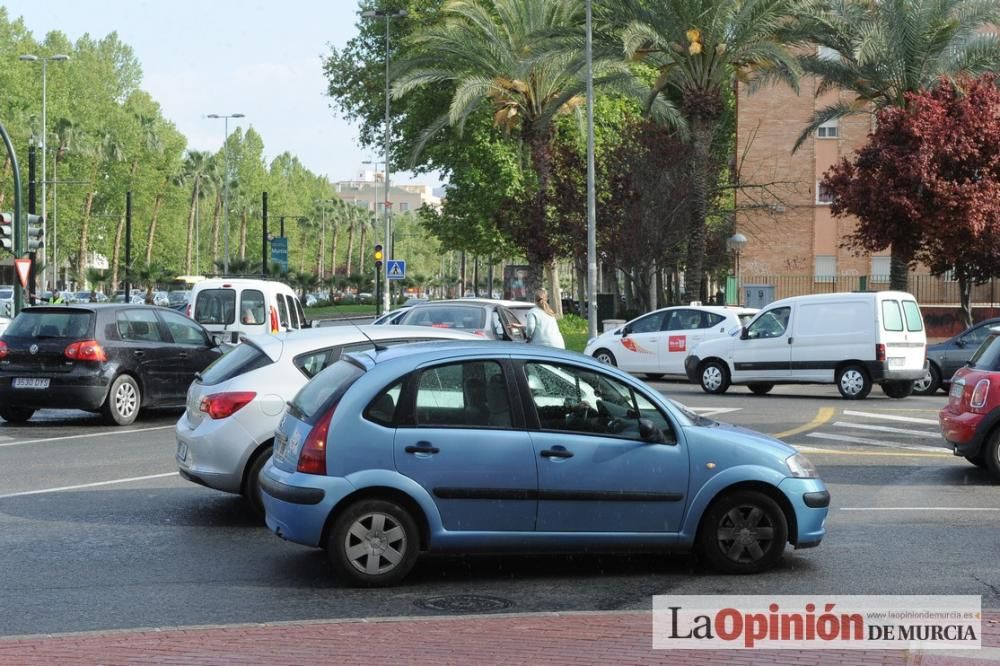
column 421, row 352
column 92, row 306
column 296, row 342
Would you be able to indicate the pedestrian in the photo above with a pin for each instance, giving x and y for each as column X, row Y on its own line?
column 56, row 298
column 542, row 327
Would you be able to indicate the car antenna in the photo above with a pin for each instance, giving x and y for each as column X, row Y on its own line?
column 378, row 347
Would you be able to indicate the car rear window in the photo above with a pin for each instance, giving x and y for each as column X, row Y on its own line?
column 61, row 323
column 241, row 360
column 987, row 357
column 446, row 317
column 326, row 387
column 892, row 320
column 914, row 322
column 215, row 306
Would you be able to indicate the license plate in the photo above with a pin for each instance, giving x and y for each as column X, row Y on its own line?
column 897, row 361
column 182, row 451
column 31, row 383
column 956, row 390
column 281, row 444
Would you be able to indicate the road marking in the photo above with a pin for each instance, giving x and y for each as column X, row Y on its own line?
column 712, row 411
column 898, row 431
column 879, row 454
column 88, row 485
column 872, row 442
column 891, row 417
column 916, row 508
column 93, row 434
column 822, row 416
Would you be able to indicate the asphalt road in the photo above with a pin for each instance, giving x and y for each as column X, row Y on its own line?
column 98, row 532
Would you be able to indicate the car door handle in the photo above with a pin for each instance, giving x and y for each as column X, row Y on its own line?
column 556, row 453
column 140, row 353
column 422, row 447
column 790, row 338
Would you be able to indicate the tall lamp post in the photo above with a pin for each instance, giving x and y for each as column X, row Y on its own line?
column 735, row 244
column 388, row 221
column 59, row 57
column 225, row 186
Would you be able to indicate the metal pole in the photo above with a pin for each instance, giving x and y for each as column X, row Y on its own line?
column 591, row 199
column 128, row 247
column 55, row 221
column 263, row 243
column 225, row 197
column 32, row 201
column 19, row 231
column 388, row 222
column 45, row 147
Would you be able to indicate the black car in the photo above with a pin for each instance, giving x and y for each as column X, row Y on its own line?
column 111, row 358
column 944, row 358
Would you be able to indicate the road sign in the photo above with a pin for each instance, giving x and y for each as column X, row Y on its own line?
column 279, row 252
column 395, row 269
column 23, row 267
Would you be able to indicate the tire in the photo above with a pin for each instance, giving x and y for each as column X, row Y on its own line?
column 991, row 454
column 360, row 522
column 16, row 414
column 653, row 375
column 121, row 407
column 853, row 382
column 897, row 389
column 714, row 377
column 930, row 383
column 604, row 356
column 760, row 389
column 251, row 487
column 743, row 532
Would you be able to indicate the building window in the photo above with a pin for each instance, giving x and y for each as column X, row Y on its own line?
column 880, row 269
column 826, row 53
column 361, row 203
column 826, row 268
column 824, row 193
column 949, row 276
column 828, row 130
column 403, row 206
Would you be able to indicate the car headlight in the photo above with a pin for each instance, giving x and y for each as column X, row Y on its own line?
column 591, row 341
column 801, row 467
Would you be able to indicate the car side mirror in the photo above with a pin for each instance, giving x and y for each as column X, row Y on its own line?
column 744, row 334
column 217, row 339
column 626, row 330
column 961, row 343
column 648, row 431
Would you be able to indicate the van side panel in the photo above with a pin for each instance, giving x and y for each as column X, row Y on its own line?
column 829, row 332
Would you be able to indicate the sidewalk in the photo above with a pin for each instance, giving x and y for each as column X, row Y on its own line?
column 552, row 639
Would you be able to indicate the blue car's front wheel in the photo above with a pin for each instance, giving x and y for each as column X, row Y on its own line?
column 743, row 532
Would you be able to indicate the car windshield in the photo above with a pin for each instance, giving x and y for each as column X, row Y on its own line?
column 60, row 323
column 987, row 357
column 466, row 318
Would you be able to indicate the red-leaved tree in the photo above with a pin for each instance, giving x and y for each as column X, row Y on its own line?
column 928, row 182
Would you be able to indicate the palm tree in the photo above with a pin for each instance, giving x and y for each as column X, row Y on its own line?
column 494, row 51
column 106, row 149
column 881, row 51
column 700, row 48
column 150, row 275
column 95, row 277
column 195, row 171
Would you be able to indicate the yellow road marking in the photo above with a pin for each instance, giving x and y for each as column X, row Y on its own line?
column 822, row 416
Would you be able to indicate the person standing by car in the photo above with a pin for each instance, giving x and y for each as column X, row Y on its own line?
column 56, row 298
column 542, row 327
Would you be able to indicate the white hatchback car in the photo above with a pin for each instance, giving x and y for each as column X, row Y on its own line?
column 225, row 435
column 658, row 342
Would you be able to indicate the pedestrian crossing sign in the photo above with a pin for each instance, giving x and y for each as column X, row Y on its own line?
column 395, row 269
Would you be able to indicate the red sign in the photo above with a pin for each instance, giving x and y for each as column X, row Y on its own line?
column 23, row 267
column 677, row 343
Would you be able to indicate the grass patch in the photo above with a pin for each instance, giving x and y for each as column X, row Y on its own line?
column 346, row 309
column 574, row 332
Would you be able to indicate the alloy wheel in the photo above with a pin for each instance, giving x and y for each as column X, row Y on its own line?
column 745, row 533
column 126, row 400
column 375, row 544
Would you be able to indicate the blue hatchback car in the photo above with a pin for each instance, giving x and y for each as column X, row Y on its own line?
column 494, row 446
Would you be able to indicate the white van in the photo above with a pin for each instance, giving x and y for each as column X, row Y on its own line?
column 245, row 306
column 852, row 340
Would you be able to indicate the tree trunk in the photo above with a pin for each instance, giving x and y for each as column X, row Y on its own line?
column 333, row 252
column 81, row 257
column 701, row 134
column 899, row 271
column 157, row 204
column 243, row 236
column 6, row 172
column 536, row 242
column 362, row 251
column 965, row 297
column 350, row 247
column 216, row 217
column 116, row 254
column 189, row 251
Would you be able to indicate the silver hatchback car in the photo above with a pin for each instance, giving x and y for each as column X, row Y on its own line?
column 234, row 406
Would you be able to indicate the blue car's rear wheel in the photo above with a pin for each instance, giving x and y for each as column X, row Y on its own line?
column 743, row 532
column 373, row 543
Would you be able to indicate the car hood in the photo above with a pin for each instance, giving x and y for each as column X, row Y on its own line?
column 715, row 347
column 739, row 445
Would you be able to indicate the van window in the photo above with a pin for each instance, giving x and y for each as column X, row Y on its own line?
column 771, row 324
column 914, row 322
column 302, row 315
column 892, row 320
column 283, row 310
column 215, row 306
column 293, row 318
column 252, row 307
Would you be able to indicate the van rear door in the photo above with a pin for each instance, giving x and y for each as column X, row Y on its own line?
column 902, row 332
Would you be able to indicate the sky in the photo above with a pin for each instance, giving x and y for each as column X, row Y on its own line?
column 256, row 57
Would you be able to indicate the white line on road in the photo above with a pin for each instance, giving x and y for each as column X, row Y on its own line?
column 898, row 431
column 712, row 411
column 92, row 434
column 891, row 417
column 873, row 442
column 916, row 508
column 88, row 485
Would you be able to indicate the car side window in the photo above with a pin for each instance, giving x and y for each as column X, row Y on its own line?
column 293, row 317
column 183, row 330
column 711, row 319
column 771, row 324
column 282, row 310
column 382, row 409
column 252, row 307
column 463, row 395
column 298, row 310
column 310, row 363
column 684, row 320
column 649, row 324
column 976, row 336
column 569, row 399
column 142, row 326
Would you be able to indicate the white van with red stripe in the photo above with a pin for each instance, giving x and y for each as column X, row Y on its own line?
column 232, row 307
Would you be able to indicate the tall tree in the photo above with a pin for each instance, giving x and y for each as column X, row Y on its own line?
column 882, row 51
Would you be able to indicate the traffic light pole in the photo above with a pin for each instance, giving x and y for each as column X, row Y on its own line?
column 32, row 202
column 18, row 222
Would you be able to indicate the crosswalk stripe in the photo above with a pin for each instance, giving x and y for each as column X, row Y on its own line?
column 712, row 411
column 898, row 431
column 872, row 442
column 891, row 417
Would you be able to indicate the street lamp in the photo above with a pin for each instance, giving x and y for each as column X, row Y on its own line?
column 735, row 244
column 59, row 57
column 225, row 192
column 388, row 230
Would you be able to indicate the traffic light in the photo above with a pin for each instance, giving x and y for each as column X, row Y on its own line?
column 7, row 232
column 378, row 255
column 36, row 232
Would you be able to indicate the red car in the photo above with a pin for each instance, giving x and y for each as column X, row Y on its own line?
column 970, row 423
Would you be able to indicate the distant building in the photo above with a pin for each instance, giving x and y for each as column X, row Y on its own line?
column 368, row 192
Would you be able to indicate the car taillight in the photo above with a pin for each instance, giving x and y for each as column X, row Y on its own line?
column 85, row 350
column 979, row 394
column 480, row 332
column 187, row 311
column 222, row 405
column 3, row 349
column 312, row 459
column 274, row 320
column 879, row 352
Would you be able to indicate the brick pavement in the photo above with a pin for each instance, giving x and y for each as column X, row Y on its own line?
column 553, row 639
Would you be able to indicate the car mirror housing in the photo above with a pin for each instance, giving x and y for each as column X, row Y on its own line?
column 744, row 334
column 649, row 432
